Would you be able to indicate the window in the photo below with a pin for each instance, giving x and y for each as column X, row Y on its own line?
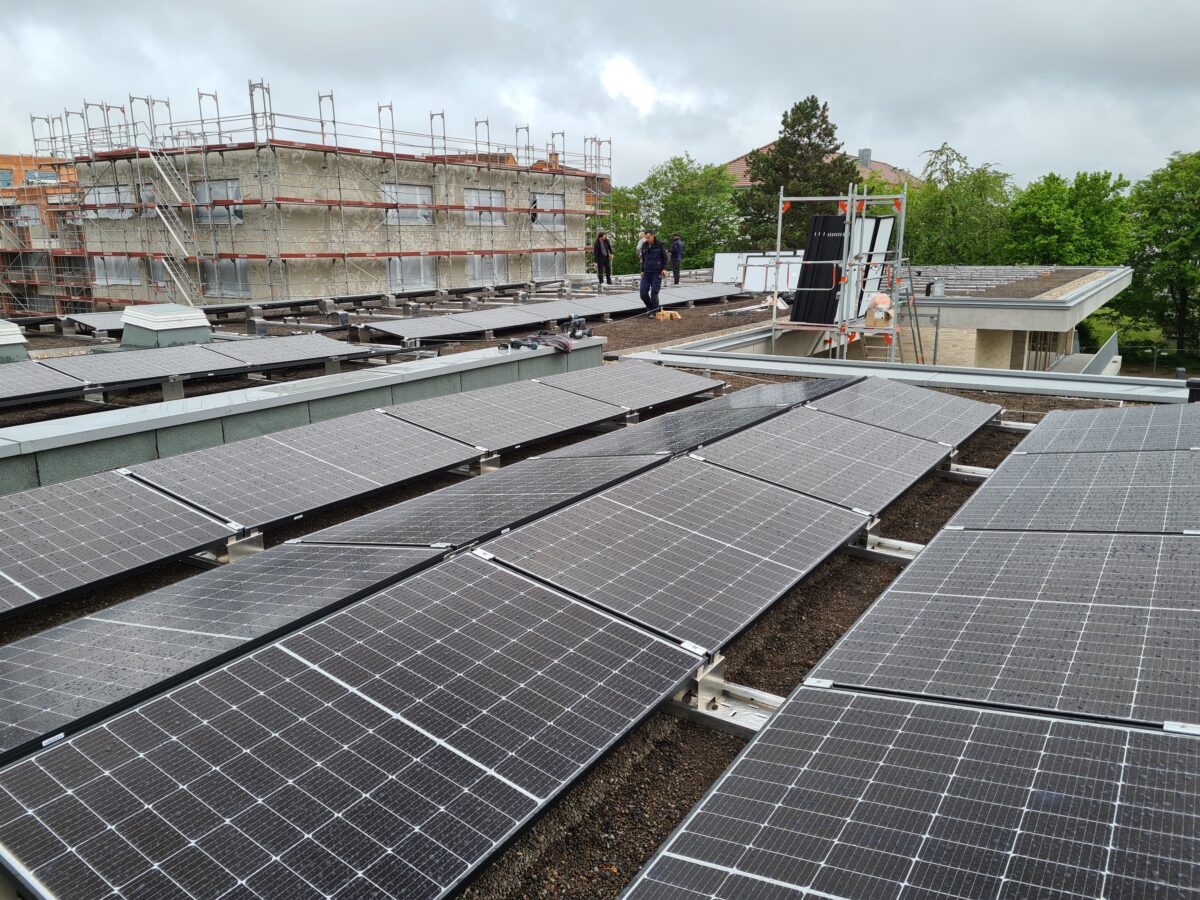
column 27, row 214
column 116, row 270
column 487, row 269
column 406, row 273
column 36, row 176
column 218, row 191
column 6, row 177
column 483, row 197
column 542, row 208
column 405, row 195
column 146, row 192
column 549, row 265
column 225, row 277
column 117, row 197
column 158, row 272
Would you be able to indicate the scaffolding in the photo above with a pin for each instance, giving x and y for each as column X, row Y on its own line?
column 860, row 269
column 265, row 206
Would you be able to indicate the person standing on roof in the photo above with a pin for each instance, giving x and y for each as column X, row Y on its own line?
column 602, row 250
column 641, row 244
column 654, row 262
column 676, row 256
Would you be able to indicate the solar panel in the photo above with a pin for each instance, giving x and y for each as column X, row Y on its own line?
column 425, row 327
column 689, row 549
column 481, row 507
column 67, row 536
column 908, row 409
column 29, row 379
column 612, row 303
column 857, row 796
column 1171, row 427
column 554, row 310
column 632, row 385
column 505, row 416
column 292, row 349
column 155, row 364
column 104, row 321
column 57, row 679
column 384, row 751
column 671, row 434
column 497, row 319
column 835, row 459
column 1156, row 491
column 376, row 446
column 1102, row 625
column 785, row 393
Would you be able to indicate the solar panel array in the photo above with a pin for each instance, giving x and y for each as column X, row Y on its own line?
column 507, row 415
column 26, row 380
column 62, row 537
column 671, row 434
column 784, row 393
column 909, row 409
column 633, row 385
column 687, row 549
column 847, row 795
column 60, row 678
column 103, row 321
column 529, row 315
column 1168, row 427
column 268, row 479
column 472, row 698
column 482, row 507
column 1016, row 716
column 839, row 460
column 1155, row 491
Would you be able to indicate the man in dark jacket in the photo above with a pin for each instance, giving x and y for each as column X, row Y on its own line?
column 676, row 256
column 654, row 261
column 602, row 250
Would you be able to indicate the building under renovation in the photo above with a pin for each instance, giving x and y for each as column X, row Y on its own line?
column 32, row 192
column 261, row 205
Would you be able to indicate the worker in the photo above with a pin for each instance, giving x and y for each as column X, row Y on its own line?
column 602, row 250
column 676, row 256
column 654, row 263
column 641, row 244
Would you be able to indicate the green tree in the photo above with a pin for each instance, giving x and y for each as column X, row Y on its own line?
column 679, row 196
column 1165, row 212
column 1071, row 223
column 806, row 160
column 959, row 215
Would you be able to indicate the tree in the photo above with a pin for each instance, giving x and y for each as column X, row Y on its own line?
column 959, row 215
column 1077, row 223
column 806, row 160
column 1165, row 212
column 679, row 196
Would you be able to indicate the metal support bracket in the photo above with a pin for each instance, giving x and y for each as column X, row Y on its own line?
column 871, row 546
column 958, row 472
column 708, row 699
column 241, row 547
column 1013, row 427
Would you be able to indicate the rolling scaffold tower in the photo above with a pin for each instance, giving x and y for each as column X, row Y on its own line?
column 861, row 268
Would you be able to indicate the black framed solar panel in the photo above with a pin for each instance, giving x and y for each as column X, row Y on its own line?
column 60, row 679
column 26, row 381
column 1091, row 624
column 909, row 409
column 1155, row 491
column 612, row 303
column 1170, row 427
column 288, row 350
column 506, row 416
column 254, row 482
column 64, row 537
column 500, row 318
column 155, row 364
column 556, row 310
column 784, row 393
column 485, row 506
column 856, row 796
column 691, row 550
column 672, row 434
column 835, row 459
column 425, row 327
column 385, row 751
column 633, row 385
column 376, row 446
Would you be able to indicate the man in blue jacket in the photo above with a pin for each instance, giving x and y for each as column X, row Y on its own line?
column 654, row 262
column 676, row 255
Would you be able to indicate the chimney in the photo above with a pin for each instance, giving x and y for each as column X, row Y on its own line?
column 554, row 160
column 864, row 158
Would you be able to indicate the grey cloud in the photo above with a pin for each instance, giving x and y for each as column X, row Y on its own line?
column 1029, row 85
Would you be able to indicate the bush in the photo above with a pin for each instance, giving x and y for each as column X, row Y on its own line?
column 1133, row 332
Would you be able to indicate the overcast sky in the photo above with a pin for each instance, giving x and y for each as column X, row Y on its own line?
column 1029, row 85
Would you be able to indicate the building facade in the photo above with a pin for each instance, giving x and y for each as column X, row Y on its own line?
column 266, row 206
column 32, row 192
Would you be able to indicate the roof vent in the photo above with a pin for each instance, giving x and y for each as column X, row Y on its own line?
column 164, row 325
column 12, row 343
column 864, row 158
